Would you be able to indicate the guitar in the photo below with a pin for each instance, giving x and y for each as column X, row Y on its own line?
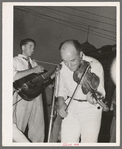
column 31, row 85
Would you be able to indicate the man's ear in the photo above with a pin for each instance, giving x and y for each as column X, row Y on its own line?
column 81, row 54
column 23, row 47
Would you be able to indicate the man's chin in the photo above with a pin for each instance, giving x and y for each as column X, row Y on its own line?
column 72, row 69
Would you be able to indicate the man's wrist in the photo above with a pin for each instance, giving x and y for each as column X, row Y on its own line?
column 60, row 102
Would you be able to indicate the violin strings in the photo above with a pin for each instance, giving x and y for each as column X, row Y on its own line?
column 46, row 62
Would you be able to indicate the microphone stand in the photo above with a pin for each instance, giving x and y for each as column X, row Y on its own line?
column 59, row 118
column 53, row 102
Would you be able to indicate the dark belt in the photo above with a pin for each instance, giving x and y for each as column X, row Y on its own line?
column 80, row 100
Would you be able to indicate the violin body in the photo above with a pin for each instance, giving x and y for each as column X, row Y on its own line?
column 30, row 86
column 91, row 78
column 89, row 82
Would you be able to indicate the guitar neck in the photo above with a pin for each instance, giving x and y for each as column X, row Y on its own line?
column 42, row 76
column 48, row 74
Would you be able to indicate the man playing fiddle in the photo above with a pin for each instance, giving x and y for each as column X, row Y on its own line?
column 83, row 118
column 27, row 114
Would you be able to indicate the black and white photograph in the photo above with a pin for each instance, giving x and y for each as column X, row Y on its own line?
column 60, row 74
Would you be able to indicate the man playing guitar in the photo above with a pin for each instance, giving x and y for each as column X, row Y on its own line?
column 27, row 115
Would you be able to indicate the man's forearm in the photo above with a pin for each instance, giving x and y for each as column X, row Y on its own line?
column 21, row 74
column 60, row 101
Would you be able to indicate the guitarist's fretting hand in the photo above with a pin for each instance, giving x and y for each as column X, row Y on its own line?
column 38, row 69
column 90, row 98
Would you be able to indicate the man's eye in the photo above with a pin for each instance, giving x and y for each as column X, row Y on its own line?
column 73, row 60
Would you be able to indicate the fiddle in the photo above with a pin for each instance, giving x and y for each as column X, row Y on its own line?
column 89, row 82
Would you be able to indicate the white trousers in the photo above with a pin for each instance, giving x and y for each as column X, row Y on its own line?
column 31, row 113
column 83, row 120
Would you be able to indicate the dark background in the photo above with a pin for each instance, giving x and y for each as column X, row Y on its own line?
column 49, row 26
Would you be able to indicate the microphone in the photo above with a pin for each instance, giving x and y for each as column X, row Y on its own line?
column 58, row 68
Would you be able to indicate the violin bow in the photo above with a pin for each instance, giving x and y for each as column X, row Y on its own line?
column 81, row 77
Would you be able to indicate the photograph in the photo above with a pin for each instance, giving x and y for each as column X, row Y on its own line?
column 61, row 74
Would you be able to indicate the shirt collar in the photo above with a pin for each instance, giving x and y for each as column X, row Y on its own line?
column 24, row 57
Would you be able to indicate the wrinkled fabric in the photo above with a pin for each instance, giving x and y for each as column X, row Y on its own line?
column 28, row 112
column 83, row 119
column 18, row 135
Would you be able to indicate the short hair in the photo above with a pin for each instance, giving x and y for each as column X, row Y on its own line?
column 75, row 43
column 25, row 41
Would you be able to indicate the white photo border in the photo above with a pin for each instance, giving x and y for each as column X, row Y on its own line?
column 7, row 67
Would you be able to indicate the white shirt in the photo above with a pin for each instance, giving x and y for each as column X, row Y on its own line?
column 67, row 85
column 20, row 64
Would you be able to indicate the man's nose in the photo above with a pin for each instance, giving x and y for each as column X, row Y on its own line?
column 69, row 64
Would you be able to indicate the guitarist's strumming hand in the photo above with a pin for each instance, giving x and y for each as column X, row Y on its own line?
column 38, row 69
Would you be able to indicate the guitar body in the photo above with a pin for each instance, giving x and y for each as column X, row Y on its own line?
column 31, row 85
